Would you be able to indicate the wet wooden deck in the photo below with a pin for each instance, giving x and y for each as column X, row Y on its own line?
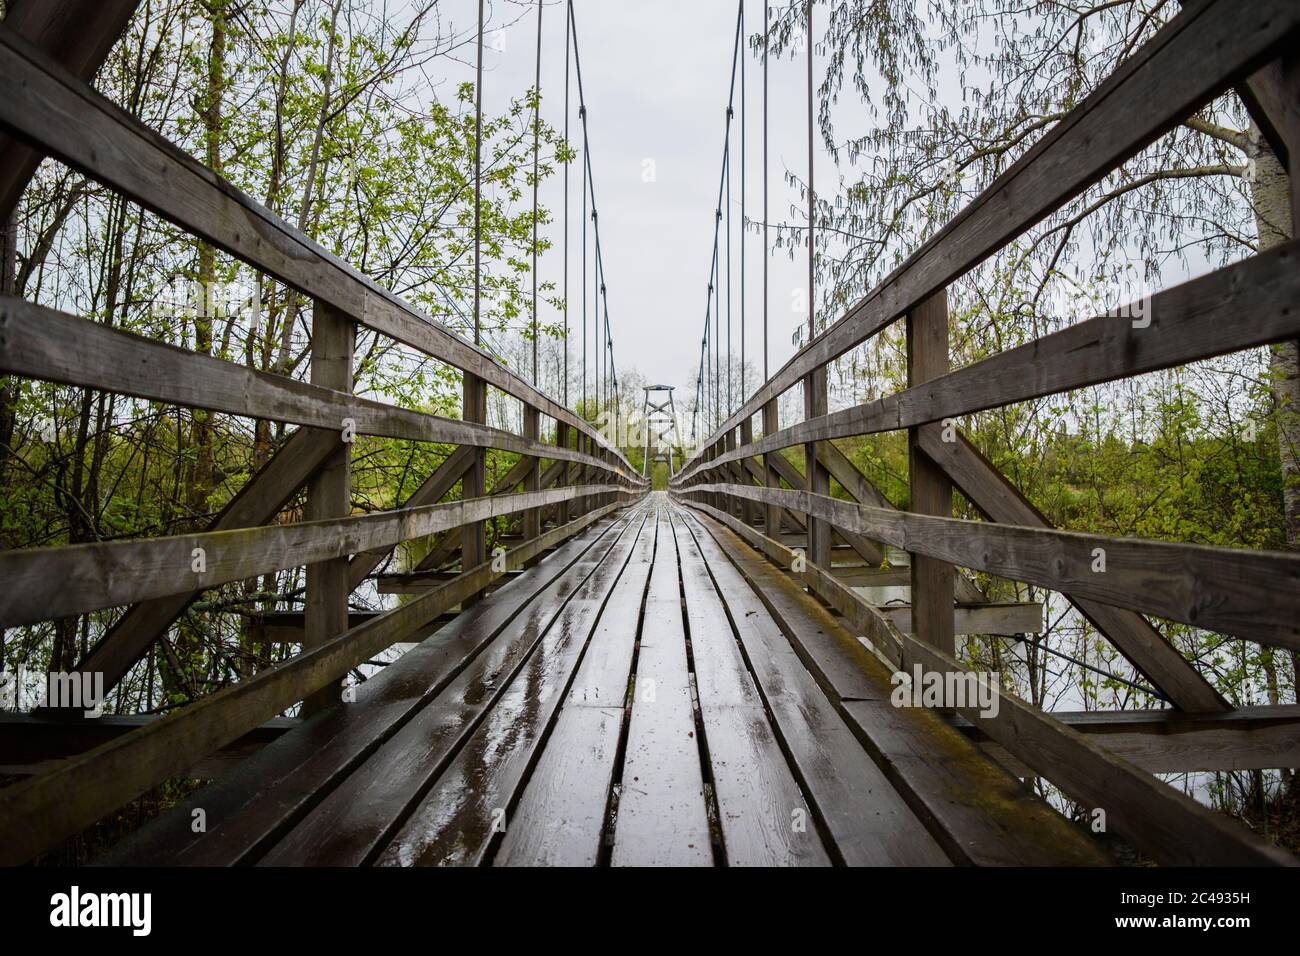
column 652, row 693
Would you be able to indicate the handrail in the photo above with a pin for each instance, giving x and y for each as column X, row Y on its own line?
column 42, row 343
column 1186, row 323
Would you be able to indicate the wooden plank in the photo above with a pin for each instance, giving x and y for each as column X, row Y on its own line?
column 933, row 581
column 250, row 810
column 1189, row 322
column 856, row 575
column 816, row 479
column 42, row 343
column 258, row 502
column 560, row 819
column 107, row 574
column 1166, row 741
column 662, row 818
column 473, row 543
column 866, row 821
column 1140, row 643
column 563, row 439
column 1265, row 98
column 731, row 473
column 1008, row 618
column 472, row 803
column 31, row 744
column 1150, row 93
column 532, row 524
column 1275, row 112
column 286, row 627
column 36, row 814
column 746, row 436
column 771, row 425
column 765, row 819
column 415, row 582
column 63, row 116
column 356, row 820
column 79, row 35
column 329, row 495
column 1250, row 594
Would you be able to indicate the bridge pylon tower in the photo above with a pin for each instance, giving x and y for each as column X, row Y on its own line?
column 659, row 419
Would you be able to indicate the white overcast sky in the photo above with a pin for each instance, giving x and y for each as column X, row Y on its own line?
column 656, row 77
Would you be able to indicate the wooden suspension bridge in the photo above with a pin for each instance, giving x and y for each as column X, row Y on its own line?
column 689, row 677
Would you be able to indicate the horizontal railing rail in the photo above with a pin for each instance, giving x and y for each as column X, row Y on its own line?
column 41, row 343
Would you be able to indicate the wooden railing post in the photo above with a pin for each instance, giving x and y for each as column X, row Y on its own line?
column 589, row 502
column 473, row 545
column 818, row 479
column 747, row 437
column 714, row 499
column 604, row 498
column 772, row 517
column 931, row 491
column 565, row 511
column 533, row 480
column 329, row 494
column 729, row 473
column 532, row 518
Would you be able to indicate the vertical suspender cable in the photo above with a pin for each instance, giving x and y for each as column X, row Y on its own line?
column 726, row 165
column 717, row 333
column 537, row 132
column 812, row 288
column 478, row 178
column 566, row 211
column 743, row 222
column 767, row 25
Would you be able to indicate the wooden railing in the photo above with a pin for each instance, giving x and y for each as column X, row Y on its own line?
column 61, row 116
column 1209, row 48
